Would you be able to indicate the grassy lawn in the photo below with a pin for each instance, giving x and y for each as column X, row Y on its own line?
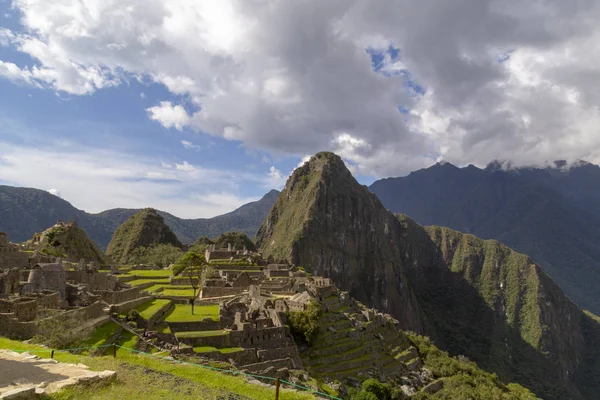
column 137, row 282
column 224, row 350
column 147, row 310
column 145, row 377
column 178, row 292
column 195, row 334
column 183, row 313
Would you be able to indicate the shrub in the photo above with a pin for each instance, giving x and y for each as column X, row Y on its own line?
column 304, row 325
column 60, row 332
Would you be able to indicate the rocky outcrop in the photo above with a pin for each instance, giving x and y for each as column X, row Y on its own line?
column 144, row 229
column 68, row 241
column 325, row 221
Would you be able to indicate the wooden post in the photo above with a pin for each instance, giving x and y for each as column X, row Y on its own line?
column 52, row 354
column 114, row 350
column 277, row 389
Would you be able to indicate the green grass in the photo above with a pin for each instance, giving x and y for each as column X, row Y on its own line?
column 138, row 282
column 183, row 313
column 151, row 378
column 147, row 310
column 196, row 334
column 99, row 336
column 224, row 350
column 163, row 273
column 156, row 288
column 178, row 292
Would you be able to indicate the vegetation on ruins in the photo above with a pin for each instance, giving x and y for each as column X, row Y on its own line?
column 304, row 325
column 144, row 237
column 372, row 389
column 194, row 267
column 189, row 259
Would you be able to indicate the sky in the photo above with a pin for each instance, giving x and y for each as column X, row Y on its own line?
column 196, row 107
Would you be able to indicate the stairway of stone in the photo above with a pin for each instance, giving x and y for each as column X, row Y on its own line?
column 349, row 344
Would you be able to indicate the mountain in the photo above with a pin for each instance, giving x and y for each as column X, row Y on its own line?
column 144, row 229
column 25, row 211
column 551, row 214
column 474, row 297
column 67, row 240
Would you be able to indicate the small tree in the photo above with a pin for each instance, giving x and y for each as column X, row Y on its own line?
column 195, row 267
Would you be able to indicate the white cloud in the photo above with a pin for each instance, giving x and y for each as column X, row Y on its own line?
column 54, row 192
column 169, row 115
column 142, row 95
column 185, row 166
column 274, row 173
column 303, row 160
column 96, row 180
column 294, row 78
column 190, row 145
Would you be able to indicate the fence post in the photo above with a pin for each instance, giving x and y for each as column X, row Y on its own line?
column 114, row 350
column 52, row 354
column 277, row 389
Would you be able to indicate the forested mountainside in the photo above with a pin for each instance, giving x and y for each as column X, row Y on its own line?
column 551, row 214
column 474, row 297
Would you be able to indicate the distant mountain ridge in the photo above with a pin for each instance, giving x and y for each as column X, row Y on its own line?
column 25, row 211
column 551, row 214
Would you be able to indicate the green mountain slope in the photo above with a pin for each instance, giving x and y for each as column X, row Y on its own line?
column 142, row 230
column 25, row 211
column 474, row 297
column 67, row 241
column 551, row 214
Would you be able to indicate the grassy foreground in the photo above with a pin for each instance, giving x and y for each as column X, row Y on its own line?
column 183, row 313
column 142, row 376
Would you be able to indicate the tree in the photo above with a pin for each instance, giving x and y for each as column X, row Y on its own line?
column 195, row 267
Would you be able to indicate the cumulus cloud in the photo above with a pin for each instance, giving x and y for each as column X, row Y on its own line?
column 391, row 86
column 169, row 115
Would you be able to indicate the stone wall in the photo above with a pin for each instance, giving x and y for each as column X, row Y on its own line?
column 12, row 328
column 277, row 364
column 10, row 255
column 267, row 338
column 9, row 281
column 25, row 309
column 46, row 277
column 220, row 291
column 129, row 305
column 214, row 341
column 94, row 280
column 119, row 296
column 182, row 281
column 47, row 299
column 206, row 325
column 278, row 353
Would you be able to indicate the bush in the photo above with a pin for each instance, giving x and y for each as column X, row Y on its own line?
column 304, row 325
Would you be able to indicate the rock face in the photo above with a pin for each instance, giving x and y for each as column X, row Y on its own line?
column 68, row 241
column 474, row 297
column 325, row 221
column 144, row 229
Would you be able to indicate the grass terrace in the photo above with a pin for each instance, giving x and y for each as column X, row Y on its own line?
column 197, row 334
column 223, row 350
column 178, row 292
column 138, row 282
column 183, row 313
column 147, row 310
column 156, row 288
column 158, row 273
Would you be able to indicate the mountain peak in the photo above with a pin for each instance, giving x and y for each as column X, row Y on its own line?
column 146, row 228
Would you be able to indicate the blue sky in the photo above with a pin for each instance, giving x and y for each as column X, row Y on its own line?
column 197, row 107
